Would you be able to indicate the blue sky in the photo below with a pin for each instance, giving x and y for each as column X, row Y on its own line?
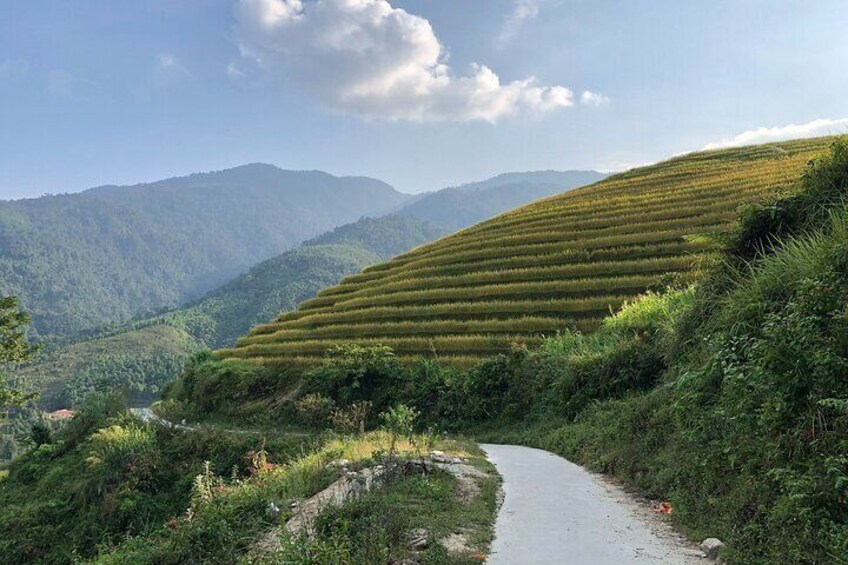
column 420, row 93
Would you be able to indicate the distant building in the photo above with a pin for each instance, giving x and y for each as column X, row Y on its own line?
column 62, row 414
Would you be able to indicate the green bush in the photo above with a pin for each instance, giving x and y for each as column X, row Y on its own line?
column 212, row 388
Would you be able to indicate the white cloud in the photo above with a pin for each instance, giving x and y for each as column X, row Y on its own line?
column 815, row 128
column 589, row 98
column 368, row 58
column 169, row 64
column 522, row 11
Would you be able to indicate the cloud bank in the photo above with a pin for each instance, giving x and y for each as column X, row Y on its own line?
column 815, row 128
column 370, row 59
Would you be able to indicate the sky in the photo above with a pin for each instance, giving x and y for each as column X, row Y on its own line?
column 422, row 94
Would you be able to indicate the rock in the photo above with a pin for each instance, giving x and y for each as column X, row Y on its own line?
column 350, row 484
column 456, row 543
column 340, row 463
column 418, row 539
column 439, row 456
column 712, row 547
column 272, row 512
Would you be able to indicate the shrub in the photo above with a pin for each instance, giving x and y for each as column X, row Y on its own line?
column 315, row 409
column 351, row 418
column 352, row 373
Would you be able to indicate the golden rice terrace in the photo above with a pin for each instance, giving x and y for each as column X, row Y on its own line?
column 562, row 262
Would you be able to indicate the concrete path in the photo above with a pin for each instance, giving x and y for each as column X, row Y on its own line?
column 555, row 512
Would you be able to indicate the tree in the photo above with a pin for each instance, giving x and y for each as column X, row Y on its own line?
column 14, row 348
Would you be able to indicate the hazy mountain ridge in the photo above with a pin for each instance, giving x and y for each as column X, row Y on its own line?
column 109, row 253
column 461, row 206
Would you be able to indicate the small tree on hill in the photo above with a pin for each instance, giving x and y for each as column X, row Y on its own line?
column 14, row 349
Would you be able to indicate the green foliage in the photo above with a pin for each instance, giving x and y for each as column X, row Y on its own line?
column 106, row 476
column 823, row 186
column 399, row 422
column 79, row 261
column 315, row 409
column 14, row 348
column 352, row 374
column 224, row 390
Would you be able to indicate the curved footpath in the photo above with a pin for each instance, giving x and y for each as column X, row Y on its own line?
column 555, row 512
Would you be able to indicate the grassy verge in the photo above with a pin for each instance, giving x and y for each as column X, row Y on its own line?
column 229, row 521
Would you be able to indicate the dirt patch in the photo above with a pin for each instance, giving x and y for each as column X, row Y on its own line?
column 466, row 475
column 456, row 543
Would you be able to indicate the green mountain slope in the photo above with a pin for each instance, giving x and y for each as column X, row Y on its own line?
column 275, row 285
column 64, row 375
column 283, row 282
column 78, row 261
column 559, row 263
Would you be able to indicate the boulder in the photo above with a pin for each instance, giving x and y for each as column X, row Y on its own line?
column 712, row 547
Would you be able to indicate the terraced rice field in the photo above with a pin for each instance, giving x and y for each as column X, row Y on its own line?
column 562, row 262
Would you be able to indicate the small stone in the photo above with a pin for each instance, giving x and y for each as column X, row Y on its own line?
column 272, row 511
column 294, row 505
column 712, row 547
column 419, row 539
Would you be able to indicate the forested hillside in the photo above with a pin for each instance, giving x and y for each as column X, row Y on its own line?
column 273, row 286
column 64, row 376
column 78, row 261
column 139, row 356
column 560, row 263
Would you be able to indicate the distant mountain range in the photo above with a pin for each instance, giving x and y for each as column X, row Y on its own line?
column 106, row 255
column 462, row 206
column 78, row 261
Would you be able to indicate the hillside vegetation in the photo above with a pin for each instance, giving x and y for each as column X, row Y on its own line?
column 150, row 351
column 138, row 358
column 560, row 263
column 724, row 396
column 79, row 261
